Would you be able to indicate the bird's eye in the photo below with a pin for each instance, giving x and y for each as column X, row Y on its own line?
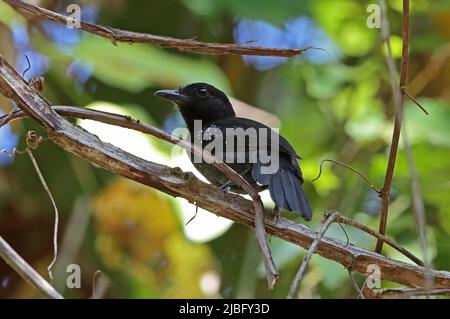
column 202, row 93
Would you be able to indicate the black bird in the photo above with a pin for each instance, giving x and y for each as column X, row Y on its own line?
column 205, row 103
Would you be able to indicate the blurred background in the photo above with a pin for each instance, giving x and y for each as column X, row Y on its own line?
column 332, row 103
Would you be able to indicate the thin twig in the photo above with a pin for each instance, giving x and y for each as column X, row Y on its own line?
column 9, row 153
column 193, row 217
column 5, row 119
column 117, row 35
column 405, row 91
column 28, row 67
column 20, row 266
column 398, row 98
column 55, row 227
column 347, row 239
column 347, row 221
column 301, row 270
column 350, row 168
column 355, row 284
column 32, row 142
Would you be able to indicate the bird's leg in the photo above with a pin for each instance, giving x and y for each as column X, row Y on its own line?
column 226, row 186
column 276, row 211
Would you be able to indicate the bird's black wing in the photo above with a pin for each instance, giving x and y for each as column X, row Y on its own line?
column 244, row 123
column 285, row 182
column 286, row 151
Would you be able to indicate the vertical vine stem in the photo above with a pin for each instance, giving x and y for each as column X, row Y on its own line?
column 385, row 191
column 56, row 224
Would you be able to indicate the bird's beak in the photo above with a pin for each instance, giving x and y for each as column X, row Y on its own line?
column 173, row 96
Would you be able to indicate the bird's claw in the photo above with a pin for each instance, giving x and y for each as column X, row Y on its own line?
column 225, row 187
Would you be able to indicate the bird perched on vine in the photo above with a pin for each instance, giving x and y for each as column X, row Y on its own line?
column 260, row 155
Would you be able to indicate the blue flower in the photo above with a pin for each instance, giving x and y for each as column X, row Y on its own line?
column 172, row 122
column 300, row 32
column 80, row 70
column 20, row 35
column 260, row 33
column 38, row 62
column 64, row 36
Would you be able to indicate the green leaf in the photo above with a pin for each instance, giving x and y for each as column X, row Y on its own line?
column 9, row 15
column 345, row 21
column 275, row 11
column 434, row 128
column 136, row 67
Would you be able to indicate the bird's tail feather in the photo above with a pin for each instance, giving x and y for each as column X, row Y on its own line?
column 286, row 192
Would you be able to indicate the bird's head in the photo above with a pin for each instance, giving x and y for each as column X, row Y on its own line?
column 199, row 101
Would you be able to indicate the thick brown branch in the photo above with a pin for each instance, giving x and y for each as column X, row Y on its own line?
column 180, row 184
column 407, row 292
column 117, row 35
column 65, row 134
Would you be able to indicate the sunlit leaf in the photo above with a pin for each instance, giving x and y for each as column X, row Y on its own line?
column 138, row 234
column 146, row 66
column 8, row 15
column 433, row 128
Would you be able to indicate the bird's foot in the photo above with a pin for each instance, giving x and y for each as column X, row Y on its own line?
column 226, row 187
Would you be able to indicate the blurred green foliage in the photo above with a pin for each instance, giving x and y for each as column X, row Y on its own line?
column 341, row 110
